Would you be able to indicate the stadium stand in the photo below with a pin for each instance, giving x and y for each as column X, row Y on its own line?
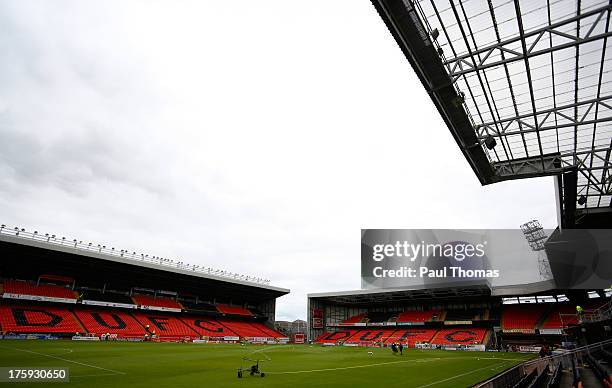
column 560, row 316
column 233, row 310
column 411, row 336
column 522, row 318
column 419, row 316
column 379, row 317
column 77, row 290
column 463, row 336
column 26, row 288
column 335, row 336
column 222, row 327
column 109, row 297
column 89, row 318
column 370, row 335
column 355, row 318
column 114, row 322
column 466, row 315
column 38, row 319
column 123, row 323
column 201, row 307
column 244, row 329
column 207, row 327
column 256, row 312
column 266, row 330
column 459, row 336
column 165, row 325
column 386, row 336
column 159, row 301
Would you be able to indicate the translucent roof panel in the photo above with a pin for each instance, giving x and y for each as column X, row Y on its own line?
column 536, row 76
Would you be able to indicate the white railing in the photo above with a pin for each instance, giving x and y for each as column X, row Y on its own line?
column 52, row 239
column 599, row 314
column 512, row 376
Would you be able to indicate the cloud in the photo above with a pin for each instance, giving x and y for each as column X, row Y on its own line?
column 258, row 138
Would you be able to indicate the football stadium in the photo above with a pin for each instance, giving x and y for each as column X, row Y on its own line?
column 525, row 89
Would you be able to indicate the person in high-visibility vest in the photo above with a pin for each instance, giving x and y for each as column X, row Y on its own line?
column 580, row 313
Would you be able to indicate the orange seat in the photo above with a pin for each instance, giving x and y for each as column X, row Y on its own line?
column 37, row 319
column 165, row 325
column 521, row 318
column 233, row 310
column 208, row 327
column 460, row 336
column 114, row 322
column 148, row 300
column 417, row 316
column 411, row 336
column 27, row 288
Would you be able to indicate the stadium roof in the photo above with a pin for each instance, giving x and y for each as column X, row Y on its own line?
column 463, row 290
column 148, row 265
column 525, row 87
column 398, row 295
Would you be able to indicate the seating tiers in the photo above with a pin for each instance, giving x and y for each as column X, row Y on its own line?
column 522, row 318
column 37, row 319
column 411, row 336
column 108, row 297
column 555, row 321
column 370, row 335
column 333, row 337
column 457, row 336
column 245, row 329
column 355, row 318
column 164, row 325
column 464, row 336
column 27, row 288
column 58, row 319
column 418, row 316
column 116, row 322
column 208, row 327
column 148, row 300
column 465, row 315
column 233, row 310
column 266, row 330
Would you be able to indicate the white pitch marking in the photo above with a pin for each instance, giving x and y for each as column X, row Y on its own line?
column 265, row 349
column 99, row 375
column 454, row 377
column 499, row 358
column 350, row 367
column 72, row 361
column 500, row 366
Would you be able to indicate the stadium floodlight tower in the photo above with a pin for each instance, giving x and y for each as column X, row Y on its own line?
column 524, row 87
column 536, row 237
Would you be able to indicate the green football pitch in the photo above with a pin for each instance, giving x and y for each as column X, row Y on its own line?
column 121, row 364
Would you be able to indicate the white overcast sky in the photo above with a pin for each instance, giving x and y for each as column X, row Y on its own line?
column 257, row 137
